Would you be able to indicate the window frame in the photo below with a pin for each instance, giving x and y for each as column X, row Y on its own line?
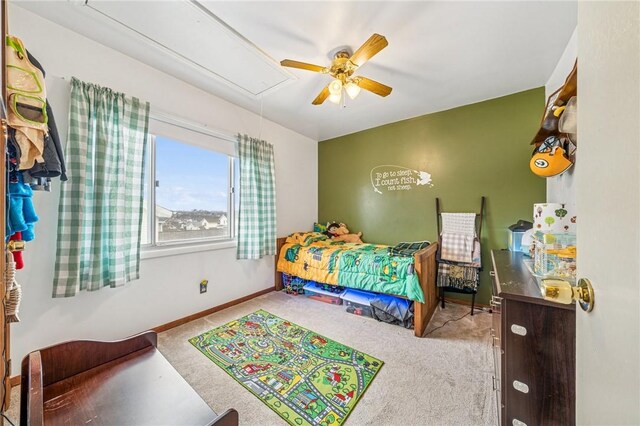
column 156, row 248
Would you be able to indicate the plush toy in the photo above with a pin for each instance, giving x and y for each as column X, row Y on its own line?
column 339, row 232
column 333, row 229
column 21, row 215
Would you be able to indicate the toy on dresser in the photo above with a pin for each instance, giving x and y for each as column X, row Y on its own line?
column 554, row 255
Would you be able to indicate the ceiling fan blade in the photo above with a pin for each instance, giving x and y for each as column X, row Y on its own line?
column 373, row 86
column 322, row 96
column 302, row 65
column 370, row 47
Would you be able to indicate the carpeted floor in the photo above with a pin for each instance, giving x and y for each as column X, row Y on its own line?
column 443, row 379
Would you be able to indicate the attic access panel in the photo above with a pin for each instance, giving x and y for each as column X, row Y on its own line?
column 196, row 37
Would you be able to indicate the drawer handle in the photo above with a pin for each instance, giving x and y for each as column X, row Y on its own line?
column 496, row 384
column 517, row 422
column 492, row 273
column 520, row 387
column 518, row 329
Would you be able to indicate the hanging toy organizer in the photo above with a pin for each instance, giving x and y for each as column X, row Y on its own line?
column 5, row 361
column 463, row 269
column 33, row 156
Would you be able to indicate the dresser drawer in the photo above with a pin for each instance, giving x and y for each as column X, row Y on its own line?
column 538, row 366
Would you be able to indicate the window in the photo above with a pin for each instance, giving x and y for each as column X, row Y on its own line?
column 189, row 192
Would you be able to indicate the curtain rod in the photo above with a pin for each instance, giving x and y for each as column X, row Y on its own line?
column 183, row 123
column 189, row 125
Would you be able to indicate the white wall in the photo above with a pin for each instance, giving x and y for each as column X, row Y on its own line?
column 561, row 189
column 168, row 287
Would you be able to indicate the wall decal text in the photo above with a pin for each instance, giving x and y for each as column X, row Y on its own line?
column 397, row 178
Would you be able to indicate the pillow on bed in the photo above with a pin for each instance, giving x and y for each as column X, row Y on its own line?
column 318, row 227
column 305, row 238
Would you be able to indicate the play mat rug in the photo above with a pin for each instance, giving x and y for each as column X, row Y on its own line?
column 306, row 378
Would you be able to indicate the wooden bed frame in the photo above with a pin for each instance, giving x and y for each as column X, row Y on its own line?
column 426, row 267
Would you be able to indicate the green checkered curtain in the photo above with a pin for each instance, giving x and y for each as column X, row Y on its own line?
column 257, row 215
column 100, row 212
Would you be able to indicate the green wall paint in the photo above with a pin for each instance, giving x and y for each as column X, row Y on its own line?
column 474, row 150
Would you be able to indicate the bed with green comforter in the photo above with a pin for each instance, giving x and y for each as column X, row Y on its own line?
column 314, row 256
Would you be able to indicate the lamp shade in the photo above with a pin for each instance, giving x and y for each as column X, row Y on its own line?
column 335, row 87
column 335, row 98
column 352, row 89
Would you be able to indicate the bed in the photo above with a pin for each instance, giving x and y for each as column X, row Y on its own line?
column 368, row 267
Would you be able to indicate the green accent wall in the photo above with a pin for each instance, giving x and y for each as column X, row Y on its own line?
column 470, row 151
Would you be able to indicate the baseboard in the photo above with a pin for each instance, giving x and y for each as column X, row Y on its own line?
column 198, row 315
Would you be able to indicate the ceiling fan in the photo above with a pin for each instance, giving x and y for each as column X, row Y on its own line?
column 342, row 69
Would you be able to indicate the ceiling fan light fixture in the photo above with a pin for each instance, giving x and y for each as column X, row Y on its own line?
column 353, row 90
column 342, row 68
column 335, row 88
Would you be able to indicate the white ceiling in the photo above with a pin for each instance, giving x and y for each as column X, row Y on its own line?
column 440, row 54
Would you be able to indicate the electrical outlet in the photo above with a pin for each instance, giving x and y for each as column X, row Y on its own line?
column 203, row 286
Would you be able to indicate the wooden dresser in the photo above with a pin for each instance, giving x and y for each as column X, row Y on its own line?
column 533, row 348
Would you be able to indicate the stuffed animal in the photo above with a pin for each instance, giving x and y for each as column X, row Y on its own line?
column 333, row 229
column 339, row 232
column 21, row 215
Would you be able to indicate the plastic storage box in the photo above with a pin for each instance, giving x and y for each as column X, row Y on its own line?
column 293, row 285
column 555, row 255
column 316, row 292
column 358, row 302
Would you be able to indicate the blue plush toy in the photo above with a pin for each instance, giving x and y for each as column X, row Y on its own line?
column 21, row 214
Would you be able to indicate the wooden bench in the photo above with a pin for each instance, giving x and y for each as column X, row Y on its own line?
column 126, row 382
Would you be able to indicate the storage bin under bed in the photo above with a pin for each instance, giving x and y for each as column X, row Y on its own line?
column 358, row 302
column 316, row 292
column 292, row 284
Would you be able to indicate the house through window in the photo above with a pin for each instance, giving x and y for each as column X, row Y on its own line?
column 189, row 191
